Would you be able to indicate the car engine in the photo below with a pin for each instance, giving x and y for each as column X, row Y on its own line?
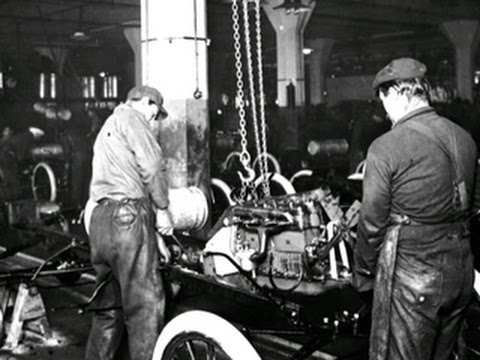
column 298, row 242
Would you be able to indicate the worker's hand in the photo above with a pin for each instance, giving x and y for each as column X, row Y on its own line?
column 164, row 223
column 163, row 249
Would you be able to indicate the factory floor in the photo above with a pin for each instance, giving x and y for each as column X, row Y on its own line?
column 70, row 328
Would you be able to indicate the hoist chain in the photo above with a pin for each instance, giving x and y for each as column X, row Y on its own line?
column 253, row 102
column 260, row 131
column 263, row 158
column 245, row 158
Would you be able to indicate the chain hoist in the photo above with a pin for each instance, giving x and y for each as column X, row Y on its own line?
column 260, row 135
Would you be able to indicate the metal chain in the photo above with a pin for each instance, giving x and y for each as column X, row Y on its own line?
column 245, row 157
column 263, row 159
column 197, row 94
column 253, row 102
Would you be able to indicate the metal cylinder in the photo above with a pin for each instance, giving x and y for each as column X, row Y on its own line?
column 327, row 147
column 47, row 151
column 188, row 208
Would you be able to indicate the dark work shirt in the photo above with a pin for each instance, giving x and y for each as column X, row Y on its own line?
column 127, row 160
column 406, row 173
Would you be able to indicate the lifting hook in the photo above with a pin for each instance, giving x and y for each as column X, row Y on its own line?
column 250, row 175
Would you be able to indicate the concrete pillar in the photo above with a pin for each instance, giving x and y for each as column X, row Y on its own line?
column 133, row 37
column 290, row 62
column 289, row 30
column 176, row 64
column 464, row 36
column 317, row 63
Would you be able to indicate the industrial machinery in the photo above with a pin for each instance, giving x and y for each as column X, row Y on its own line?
column 289, row 240
column 274, row 274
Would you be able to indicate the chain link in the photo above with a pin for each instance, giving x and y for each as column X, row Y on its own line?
column 253, row 102
column 263, row 159
column 245, row 157
column 260, row 133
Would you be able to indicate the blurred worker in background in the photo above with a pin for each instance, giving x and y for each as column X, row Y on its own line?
column 129, row 194
column 413, row 245
column 15, row 147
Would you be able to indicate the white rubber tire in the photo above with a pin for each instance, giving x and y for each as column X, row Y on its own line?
column 230, row 157
column 278, row 179
column 476, row 284
column 213, row 328
column 301, row 173
column 276, row 165
column 224, row 188
column 51, row 180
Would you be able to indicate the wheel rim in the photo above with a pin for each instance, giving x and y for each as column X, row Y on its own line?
column 194, row 346
column 221, row 199
column 44, row 183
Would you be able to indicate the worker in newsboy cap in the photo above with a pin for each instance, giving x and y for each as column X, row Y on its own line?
column 126, row 216
column 402, row 87
column 417, row 182
column 152, row 95
column 400, row 69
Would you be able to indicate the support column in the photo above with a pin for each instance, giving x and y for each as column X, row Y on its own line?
column 289, row 30
column 134, row 39
column 290, row 62
column 176, row 64
column 318, row 62
column 464, row 36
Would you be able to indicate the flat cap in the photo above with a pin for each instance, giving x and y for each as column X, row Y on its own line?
column 399, row 69
column 139, row 92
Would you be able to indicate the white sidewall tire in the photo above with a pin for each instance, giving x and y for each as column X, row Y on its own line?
column 212, row 326
column 51, row 180
column 224, row 188
column 230, row 157
column 476, row 284
column 276, row 165
column 278, row 179
column 301, row 173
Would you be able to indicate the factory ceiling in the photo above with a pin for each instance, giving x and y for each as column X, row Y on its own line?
column 363, row 29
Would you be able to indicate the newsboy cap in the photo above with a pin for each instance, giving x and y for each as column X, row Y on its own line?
column 399, row 69
column 139, row 92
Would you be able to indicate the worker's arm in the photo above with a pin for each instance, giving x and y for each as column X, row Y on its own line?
column 373, row 220
column 152, row 168
column 150, row 161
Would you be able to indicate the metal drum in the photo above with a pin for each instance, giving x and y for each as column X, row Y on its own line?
column 188, row 208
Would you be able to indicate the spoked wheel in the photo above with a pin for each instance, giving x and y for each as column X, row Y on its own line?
column 193, row 346
column 200, row 335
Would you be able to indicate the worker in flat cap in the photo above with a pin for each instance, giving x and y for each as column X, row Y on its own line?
column 127, row 209
column 413, row 245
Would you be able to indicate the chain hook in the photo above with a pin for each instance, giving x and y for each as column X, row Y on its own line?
column 250, row 175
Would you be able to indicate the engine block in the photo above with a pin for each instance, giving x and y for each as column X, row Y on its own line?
column 288, row 242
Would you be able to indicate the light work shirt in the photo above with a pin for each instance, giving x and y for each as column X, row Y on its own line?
column 128, row 161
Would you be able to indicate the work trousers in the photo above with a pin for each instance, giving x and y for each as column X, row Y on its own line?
column 431, row 288
column 124, row 254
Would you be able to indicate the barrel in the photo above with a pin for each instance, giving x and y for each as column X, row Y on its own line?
column 188, row 208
